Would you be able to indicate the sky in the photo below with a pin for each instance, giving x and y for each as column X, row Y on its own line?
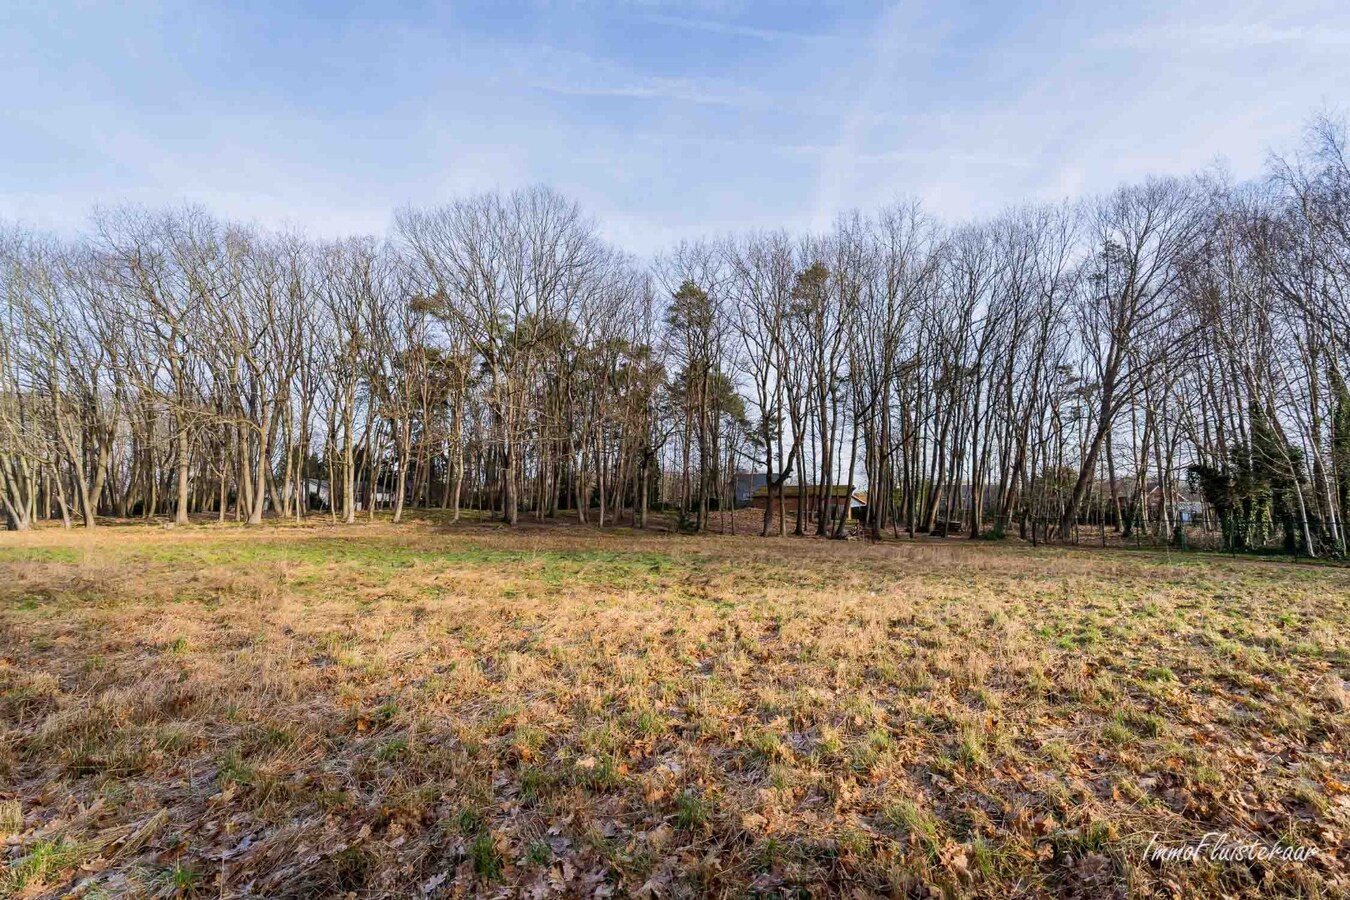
column 666, row 121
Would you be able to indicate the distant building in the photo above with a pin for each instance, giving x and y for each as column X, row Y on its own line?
column 318, row 493
column 1188, row 506
column 1190, row 511
column 746, row 483
column 320, row 496
column 838, row 501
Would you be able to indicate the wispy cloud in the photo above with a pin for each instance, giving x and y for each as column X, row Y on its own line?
column 653, row 88
column 1227, row 36
column 992, row 160
column 730, row 28
column 576, row 74
column 676, row 119
column 877, row 86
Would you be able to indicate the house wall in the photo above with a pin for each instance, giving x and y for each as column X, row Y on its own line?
column 790, row 502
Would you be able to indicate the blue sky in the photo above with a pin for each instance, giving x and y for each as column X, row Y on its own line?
column 665, row 120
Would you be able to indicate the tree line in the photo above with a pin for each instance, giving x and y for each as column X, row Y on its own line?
column 1057, row 366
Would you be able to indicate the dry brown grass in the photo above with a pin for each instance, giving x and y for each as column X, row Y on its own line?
column 397, row 711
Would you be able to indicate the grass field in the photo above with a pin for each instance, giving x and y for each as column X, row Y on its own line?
column 415, row 710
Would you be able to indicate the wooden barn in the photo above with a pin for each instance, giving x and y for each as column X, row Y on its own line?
column 838, row 502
